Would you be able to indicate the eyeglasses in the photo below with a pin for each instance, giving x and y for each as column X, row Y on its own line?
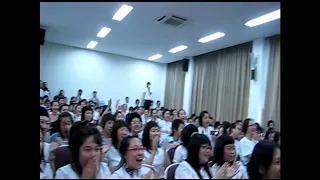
column 136, row 149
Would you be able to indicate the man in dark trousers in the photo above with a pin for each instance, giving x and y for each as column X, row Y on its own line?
column 147, row 96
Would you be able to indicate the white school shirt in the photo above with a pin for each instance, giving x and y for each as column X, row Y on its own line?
column 158, row 161
column 165, row 128
column 147, row 95
column 137, row 174
column 237, row 147
column 246, row 148
column 46, row 151
column 67, row 172
column 46, row 171
column 180, row 154
column 207, row 132
column 242, row 174
column 113, row 156
column 185, row 171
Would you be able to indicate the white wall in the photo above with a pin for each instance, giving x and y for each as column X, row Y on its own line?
column 113, row 76
column 188, row 84
column 260, row 49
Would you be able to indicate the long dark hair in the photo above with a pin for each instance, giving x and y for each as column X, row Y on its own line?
column 221, row 142
column 146, row 134
column 56, row 124
column 196, row 141
column 175, row 125
column 261, row 157
column 83, row 112
column 114, row 132
column 79, row 132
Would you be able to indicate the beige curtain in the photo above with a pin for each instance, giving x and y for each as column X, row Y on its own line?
column 174, row 85
column 271, row 110
column 222, row 82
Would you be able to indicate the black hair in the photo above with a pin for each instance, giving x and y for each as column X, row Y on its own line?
column 221, row 142
column 114, row 132
column 158, row 101
column 246, row 125
column 261, row 156
column 79, row 132
column 54, row 102
column 43, row 112
column 175, row 125
column 84, row 110
column 94, row 91
column 55, row 98
column 63, row 106
column 164, row 111
column 186, row 134
column 193, row 148
column 124, row 145
column 137, row 100
column 148, row 83
column 238, row 121
column 201, row 117
column 276, row 137
column 269, row 122
column 226, row 127
column 130, row 108
column 216, row 124
column 56, row 124
column 179, row 112
column 105, row 118
column 131, row 117
column 80, row 90
column 146, row 141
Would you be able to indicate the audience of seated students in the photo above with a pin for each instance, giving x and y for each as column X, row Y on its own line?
column 134, row 142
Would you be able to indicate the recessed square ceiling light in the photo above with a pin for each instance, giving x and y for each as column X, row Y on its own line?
column 211, row 37
column 92, row 44
column 154, row 57
column 178, row 48
column 103, row 32
column 264, row 19
column 122, row 12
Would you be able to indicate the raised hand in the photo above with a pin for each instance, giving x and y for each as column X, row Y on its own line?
column 148, row 175
column 155, row 143
column 221, row 172
column 91, row 169
column 232, row 170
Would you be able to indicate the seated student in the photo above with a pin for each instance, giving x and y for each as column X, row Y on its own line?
column 154, row 154
column 131, row 151
column 45, row 124
column 61, row 128
column 45, row 167
column 196, row 165
column 112, row 155
column 247, row 143
column 165, row 125
column 181, row 152
column 265, row 161
column 135, row 124
column 174, row 138
column 85, row 147
column 224, row 152
column 106, row 123
column 204, row 128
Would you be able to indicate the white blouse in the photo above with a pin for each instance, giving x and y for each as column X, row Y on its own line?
column 207, row 132
column 137, row 174
column 46, row 171
column 165, row 128
column 180, row 154
column 113, row 157
column 158, row 161
column 242, row 174
column 185, row 171
column 67, row 172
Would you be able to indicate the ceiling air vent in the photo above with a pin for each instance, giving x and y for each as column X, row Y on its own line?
column 172, row 20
